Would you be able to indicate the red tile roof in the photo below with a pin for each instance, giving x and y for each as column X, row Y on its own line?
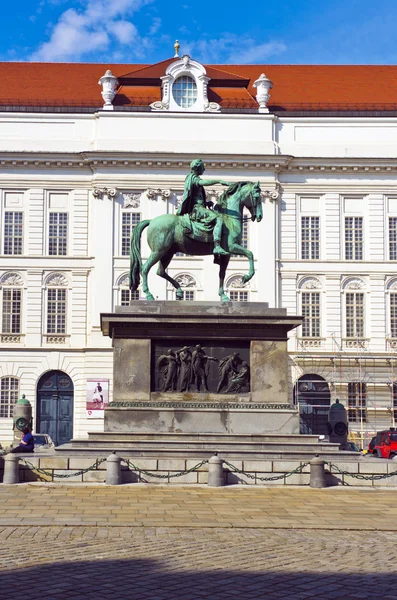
column 296, row 87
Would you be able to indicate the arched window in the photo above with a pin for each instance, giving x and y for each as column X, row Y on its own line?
column 185, row 91
column 9, row 393
column 309, row 289
column 354, row 289
column 124, row 293
column 11, row 307
column 56, row 308
column 236, row 290
column 188, row 285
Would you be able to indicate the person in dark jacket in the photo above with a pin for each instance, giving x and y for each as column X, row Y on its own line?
column 27, row 442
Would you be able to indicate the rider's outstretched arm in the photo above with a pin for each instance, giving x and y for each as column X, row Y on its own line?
column 213, row 182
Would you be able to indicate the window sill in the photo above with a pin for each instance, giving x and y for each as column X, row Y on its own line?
column 310, row 342
column 355, row 342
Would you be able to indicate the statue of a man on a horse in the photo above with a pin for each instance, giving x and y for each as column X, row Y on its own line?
column 197, row 229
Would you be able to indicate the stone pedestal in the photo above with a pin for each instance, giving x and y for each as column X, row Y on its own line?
column 142, row 334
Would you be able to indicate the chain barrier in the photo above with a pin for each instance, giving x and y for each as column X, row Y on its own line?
column 235, row 469
column 374, row 477
column 54, row 475
column 133, row 467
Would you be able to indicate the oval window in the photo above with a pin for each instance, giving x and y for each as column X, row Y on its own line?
column 185, row 91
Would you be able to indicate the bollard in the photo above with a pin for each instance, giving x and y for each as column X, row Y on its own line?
column 317, row 473
column 113, row 469
column 215, row 471
column 11, row 469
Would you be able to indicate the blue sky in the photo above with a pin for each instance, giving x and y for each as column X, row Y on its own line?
column 234, row 31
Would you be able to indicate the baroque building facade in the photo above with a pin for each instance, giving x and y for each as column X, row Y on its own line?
column 77, row 174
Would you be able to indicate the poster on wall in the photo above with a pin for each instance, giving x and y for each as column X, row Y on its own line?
column 97, row 397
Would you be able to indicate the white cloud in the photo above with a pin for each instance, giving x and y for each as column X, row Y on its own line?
column 231, row 48
column 93, row 29
column 155, row 26
column 257, row 53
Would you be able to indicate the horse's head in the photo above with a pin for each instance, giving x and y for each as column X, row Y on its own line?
column 254, row 202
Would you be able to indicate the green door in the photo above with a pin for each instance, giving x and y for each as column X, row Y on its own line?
column 55, row 407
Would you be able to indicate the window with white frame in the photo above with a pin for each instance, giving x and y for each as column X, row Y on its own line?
column 9, row 392
column 394, row 399
column 311, row 314
column 129, row 220
column 393, row 314
column 392, row 238
column 357, row 402
column 126, row 295
column 239, row 295
column 310, row 238
column 56, row 305
column 184, row 91
column 57, row 233
column 354, row 315
column 188, row 284
column 354, row 238
column 13, row 232
column 11, row 310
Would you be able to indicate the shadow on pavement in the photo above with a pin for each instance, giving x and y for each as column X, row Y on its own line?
column 156, row 580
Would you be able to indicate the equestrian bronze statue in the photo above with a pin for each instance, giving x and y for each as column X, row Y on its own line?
column 198, row 228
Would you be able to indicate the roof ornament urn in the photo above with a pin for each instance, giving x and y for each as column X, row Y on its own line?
column 263, row 86
column 108, row 83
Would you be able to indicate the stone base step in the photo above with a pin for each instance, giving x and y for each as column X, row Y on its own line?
column 202, row 437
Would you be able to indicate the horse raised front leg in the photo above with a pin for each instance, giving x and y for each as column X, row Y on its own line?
column 237, row 249
column 222, row 272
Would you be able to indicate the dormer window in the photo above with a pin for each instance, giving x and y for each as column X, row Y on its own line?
column 185, row 91
column 184, row 88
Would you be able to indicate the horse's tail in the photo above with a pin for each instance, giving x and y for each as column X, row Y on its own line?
column 135, row 255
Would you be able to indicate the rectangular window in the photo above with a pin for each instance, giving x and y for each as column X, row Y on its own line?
column 237, row 296
column 187, row 295
column 392, row 238
column 126, row 296
column 56, row 311
column 13, row 230
column 58, row 234
column 310, row 232
column 311, row 314
column 355, row 315
column 357, row 402
column 129, row 220
column 11, row 314
column 9, row 393
column 393, row 315
column 354, row 238
column 395, row 402
column 244, row 235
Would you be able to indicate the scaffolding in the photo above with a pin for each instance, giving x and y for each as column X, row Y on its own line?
column 364, row 381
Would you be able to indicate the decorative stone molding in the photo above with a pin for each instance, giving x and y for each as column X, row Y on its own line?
column 155, row 194
column 310, row 342
column 263, row 86
column 123, row 281
column 355, row 343
column 56, row 280
column 392, row 285
column 235, row 282
column 109, row 83
column 354, row 284
column 185, row 66
column 55, row 339
column 272, row 195
column 133, row 200
column 101, row 192
column 392, row 344
column 11, row 279
column 9, row 338
column 185, row 280
column 309, row 283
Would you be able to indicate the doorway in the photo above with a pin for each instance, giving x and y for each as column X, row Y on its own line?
column 312, row 394
column 55, row 406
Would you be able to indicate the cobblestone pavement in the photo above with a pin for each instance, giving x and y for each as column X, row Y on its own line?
column 140, row 542
column 159, row 563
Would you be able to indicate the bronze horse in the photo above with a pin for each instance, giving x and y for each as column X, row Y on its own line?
column 166, row 236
